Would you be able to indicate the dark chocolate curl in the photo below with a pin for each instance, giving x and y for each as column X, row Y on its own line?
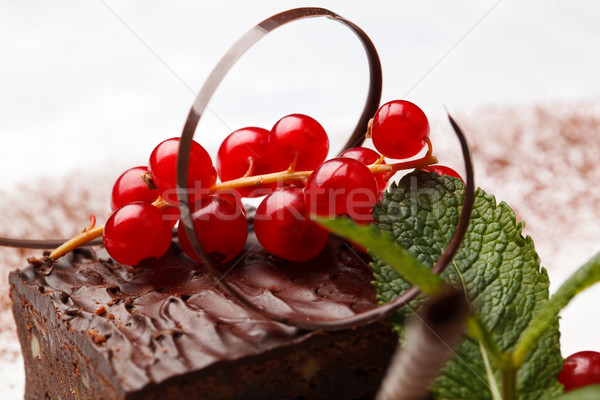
column 39, row 244
column 204, row 96
column 430, row 338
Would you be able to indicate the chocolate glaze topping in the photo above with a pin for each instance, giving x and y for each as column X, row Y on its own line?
column 168, row 316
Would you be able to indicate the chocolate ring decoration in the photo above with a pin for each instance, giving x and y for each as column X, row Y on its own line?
column 40, row 243
column 372, row 104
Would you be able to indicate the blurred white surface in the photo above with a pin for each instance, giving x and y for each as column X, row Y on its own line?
column 95, row 85
column 86, row 82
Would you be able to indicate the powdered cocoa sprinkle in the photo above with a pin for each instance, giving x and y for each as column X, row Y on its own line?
column 31, row 211
column 543, row 161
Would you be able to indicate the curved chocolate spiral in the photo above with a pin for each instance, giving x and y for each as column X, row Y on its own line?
column 40, row 243
column 204, row 96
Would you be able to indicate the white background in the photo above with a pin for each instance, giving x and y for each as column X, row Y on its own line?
column 91, row 81
column 94, row 85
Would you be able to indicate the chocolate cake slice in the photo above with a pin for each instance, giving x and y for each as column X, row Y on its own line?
column 91, row 328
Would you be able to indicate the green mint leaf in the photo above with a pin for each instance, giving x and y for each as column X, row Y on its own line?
column 586, row 393
column 497, row 268
column 380, row 242
column 476, row 329
column 584, row 277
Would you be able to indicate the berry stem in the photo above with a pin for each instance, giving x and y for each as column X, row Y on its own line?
column 417, row 164
column 429, row 146
column 84, row 237
column 250, row 167
column 369, row 125
column 260, row 179
column 292, row 166
column 301, row 175
column 288, row 175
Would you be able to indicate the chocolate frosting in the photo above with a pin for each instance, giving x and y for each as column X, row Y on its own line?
column 168, row 316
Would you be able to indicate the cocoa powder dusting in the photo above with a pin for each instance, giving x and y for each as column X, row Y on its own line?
column 543, row 161
column 32, row 211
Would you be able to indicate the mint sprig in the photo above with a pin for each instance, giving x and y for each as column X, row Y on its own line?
column 496, row 267
column 512, row 350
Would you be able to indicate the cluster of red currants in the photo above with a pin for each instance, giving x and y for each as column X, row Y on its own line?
column 286, row 165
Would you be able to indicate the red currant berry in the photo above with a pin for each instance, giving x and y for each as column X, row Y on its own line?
column 246, row 150
column 135, row 232
column 284, row 229
column 299, row 184
column 163, row 165
column 298, row 133
column 442, row 170
column 171, row 215
column 130, row 187
column 221, row 227
column 342, row 186
column 368, row 157
column 234, row 197
column 580, row 369
column 399, row 129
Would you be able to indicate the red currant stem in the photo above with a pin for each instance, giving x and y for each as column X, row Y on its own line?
column 288, row 175
column 428, row 159
column 369, row 125
column 413, row 164
column 250, row 167
column 292, row 166
column 429, row 146
column 260, row 179
column 92, row 223
column 84, row 237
